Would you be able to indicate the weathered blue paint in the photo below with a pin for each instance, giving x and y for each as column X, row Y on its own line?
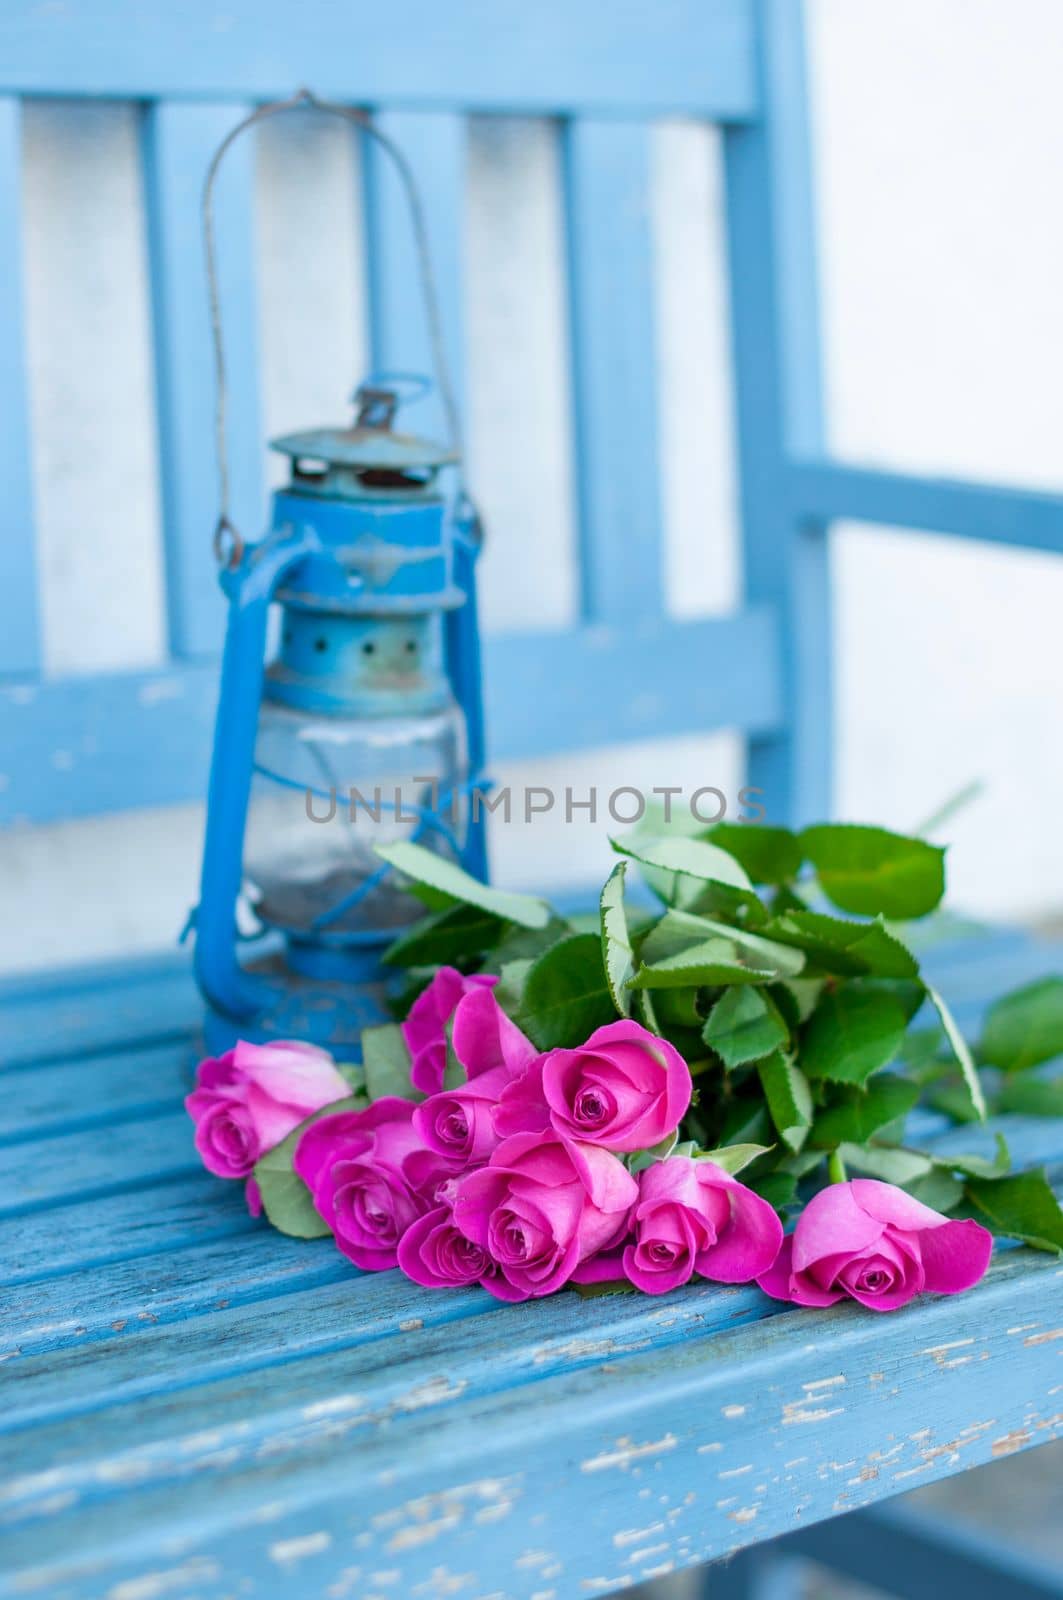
column 179, row 140
column 487, row 55
column 830, row 491
column 195, row 1406
column 19, row 641
column 433, row 144
column 614, row 371
column 721, row 672
column 777, row 394
column 194, row 1402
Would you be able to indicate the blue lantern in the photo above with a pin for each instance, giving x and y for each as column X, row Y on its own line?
column 349, row 715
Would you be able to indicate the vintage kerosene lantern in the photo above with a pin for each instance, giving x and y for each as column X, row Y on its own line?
column 349, row 716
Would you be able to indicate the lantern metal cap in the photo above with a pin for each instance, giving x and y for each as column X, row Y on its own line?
column 370, row 444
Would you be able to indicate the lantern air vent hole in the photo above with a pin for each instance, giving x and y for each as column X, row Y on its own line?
column 393, row 478
column 321, row 644
column 311, row 468
column 411, row 646
column 368, row 648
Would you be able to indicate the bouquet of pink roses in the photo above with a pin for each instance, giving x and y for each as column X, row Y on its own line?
column 565, row 1104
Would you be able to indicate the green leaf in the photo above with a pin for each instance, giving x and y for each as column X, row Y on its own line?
column 939, row 1190
column 1033, row 1097
column 856, row 1115
column 854, row 1031
column 1021, row 1206
column 746, row 1122
column 846, row 949
column 744, row 1025
column 566, row 993
column 524, row 944
column 872, row 872
column 921, row 1053
column 797, row 998
column 733, row 1157
column 439, row 882
column 646, row 1011
column 789, row 1098
column 700, row 876
column 888, row 1163
column 976, row 1166
column 595, row 1291
column 678, row 1008
column 445, row 938
column 509, row 990
column 958, row 1046
column 387, row 1063
column 768, row 854
column 285, row 1197
column 617, row 954
column 1025, row 1027
column 779, row 1189
column 953, row 1098
column 717, row 961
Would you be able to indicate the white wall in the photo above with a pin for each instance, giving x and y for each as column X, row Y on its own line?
column 939, row 140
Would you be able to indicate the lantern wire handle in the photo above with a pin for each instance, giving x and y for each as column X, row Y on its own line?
column 228, row 545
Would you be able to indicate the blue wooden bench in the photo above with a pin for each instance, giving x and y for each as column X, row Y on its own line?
column 195, row 1406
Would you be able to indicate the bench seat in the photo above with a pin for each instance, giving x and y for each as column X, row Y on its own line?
column 195, row 1406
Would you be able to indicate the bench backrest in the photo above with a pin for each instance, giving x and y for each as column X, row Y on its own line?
column 606, row 69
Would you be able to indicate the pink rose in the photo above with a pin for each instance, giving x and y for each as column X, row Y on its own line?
column 625, row 1089
column 459, row 1123
column 540, row 1207
column 692, row 1217
column 435, row 1253
column 353, row 1165
column 425, row 1028
column 874, row 1242
column 246, row 1101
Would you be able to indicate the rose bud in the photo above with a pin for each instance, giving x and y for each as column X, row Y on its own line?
column 692, row 1216
column 459, row 1123
column 353, row 1165
column 435, row 1253
column 425, row 1028
column 625, row 1089
column 246, row 1101
column 876, row 1244
column 540, row 1207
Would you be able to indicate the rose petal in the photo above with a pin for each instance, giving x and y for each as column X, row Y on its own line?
column 833, row 1222
column 890, row 1205
column 749, row 1242
column 485, row 1039
column 955, row 1255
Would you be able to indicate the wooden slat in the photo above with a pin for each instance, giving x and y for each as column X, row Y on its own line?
column 103, row 1007
column 599, row 1474
column 433, row 143
column 607, row 171
column 19, row 606
column 125, row 1298
column 688, row 680
column 831, row 490
column 72, row 1237
column 179, row 142
column 775, row 333
column 390, row 1347
column 89, row 1094
column 389, row 1339
column 492, row 55
column 74, row 1166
